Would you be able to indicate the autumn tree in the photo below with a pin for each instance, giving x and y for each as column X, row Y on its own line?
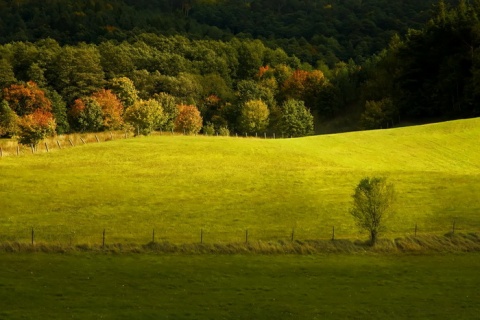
column 189, row 119
column 372, row 205
column 112, row 109
column 295, row 119
column 26, row 98
column 145, row 116
column 254, row 116
column 34, row 127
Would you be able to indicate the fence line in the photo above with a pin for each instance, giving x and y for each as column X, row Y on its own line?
column 61, row 141
column 38, row 235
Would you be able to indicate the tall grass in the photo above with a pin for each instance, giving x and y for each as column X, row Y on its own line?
column 222, row 186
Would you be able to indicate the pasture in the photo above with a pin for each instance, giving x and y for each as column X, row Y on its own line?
column 222, row 186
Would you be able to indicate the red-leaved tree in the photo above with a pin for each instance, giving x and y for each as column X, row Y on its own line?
column 26, row 98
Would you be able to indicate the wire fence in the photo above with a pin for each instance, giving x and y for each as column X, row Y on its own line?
column 12, row 148
column 101, row 237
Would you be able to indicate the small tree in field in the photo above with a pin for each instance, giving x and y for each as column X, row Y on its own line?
column 372, row 205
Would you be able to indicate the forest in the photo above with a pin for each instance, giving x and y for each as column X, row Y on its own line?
column 293, row 67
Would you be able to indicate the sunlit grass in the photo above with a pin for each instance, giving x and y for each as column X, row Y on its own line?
column 180, row 185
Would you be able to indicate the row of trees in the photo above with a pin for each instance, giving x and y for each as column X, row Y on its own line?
column 27, row 112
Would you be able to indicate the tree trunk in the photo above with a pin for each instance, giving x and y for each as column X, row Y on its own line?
column 373, row 237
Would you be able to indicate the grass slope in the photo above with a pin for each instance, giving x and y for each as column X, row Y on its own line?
column 96, row 286
column 182, row 184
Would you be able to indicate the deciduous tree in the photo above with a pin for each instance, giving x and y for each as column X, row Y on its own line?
column 34, row 127
column 188, row 119
column 86, row 115
column 372, row 205
column 125, row 90
column 254, row 116
column 145, row 116
column 112, row 109
column 26, row 98
column 295, row 119
column 8, row 120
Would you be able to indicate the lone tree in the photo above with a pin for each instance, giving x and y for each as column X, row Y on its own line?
column 372, row 205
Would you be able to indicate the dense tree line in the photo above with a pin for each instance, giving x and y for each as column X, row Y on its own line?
column 90, row 87
column 320, row 30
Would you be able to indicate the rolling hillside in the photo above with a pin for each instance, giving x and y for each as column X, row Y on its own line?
column 182, row 184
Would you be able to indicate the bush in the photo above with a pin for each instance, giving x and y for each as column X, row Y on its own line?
column 208, row 129
column 223, row 131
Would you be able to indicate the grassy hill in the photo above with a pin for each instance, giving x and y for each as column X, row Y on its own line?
column 182, row 184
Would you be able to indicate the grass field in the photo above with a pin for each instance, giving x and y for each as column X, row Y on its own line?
column 96, row 286
column 180, row 185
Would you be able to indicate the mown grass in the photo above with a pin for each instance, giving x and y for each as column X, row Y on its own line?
column 98, row 286
column 180, row 185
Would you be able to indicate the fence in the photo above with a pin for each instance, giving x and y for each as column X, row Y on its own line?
column 105, row 236
column 12, row 148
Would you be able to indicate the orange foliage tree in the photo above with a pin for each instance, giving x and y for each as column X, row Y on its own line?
column 112, row 109
column 26, row 98
column 188, row 119
column 34, row 127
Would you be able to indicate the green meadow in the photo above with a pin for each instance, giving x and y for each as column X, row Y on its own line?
column 145, row 286
column 182, row 186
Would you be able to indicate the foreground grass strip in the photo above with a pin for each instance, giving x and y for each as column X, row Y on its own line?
column 94, row 286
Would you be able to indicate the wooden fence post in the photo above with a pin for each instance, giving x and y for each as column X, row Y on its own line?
column 46, row 146
column 103, row 240
column 71, row 142
column 83, row 141
column 59, row 146
column 97, row 138
column 1, row 152
column 33, row 237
